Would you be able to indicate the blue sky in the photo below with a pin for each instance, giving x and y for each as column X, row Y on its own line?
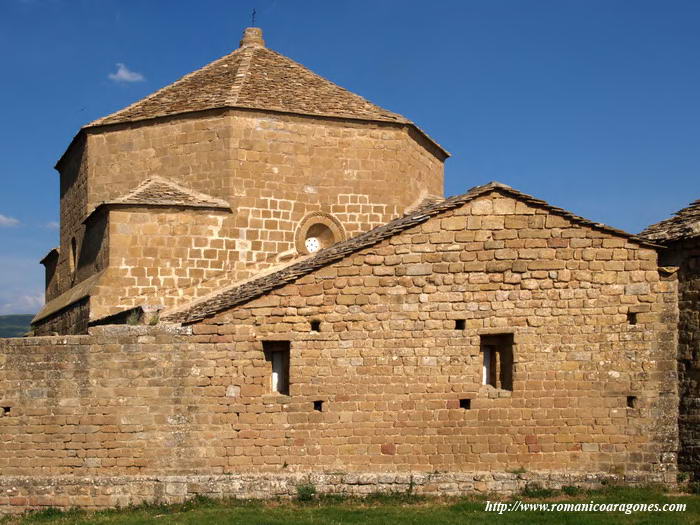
column 592, row 105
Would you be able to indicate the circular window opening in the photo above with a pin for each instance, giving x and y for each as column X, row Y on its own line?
column 319, row 236
column 318, row 231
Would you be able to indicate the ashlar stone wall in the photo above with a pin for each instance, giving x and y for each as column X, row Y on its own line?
column 685, row 254
column 155, row 255
column 594, row 350
column 73, row 209
column 164, row 412
column 274, row 170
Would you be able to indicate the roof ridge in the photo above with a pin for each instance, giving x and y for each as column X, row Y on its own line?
column 210, row 65
column 247, row 54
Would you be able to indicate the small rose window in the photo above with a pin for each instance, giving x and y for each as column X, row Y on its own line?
column 312, row 244
column 318, row 231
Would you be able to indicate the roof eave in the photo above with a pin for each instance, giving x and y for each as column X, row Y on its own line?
column 106, row 206
column 78, row 136
column 51, row 252
column 404, row 122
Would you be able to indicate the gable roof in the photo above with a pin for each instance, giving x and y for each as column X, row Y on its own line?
column 684, row 224
column 244, row 292
column 159, row 191
column 254, row 77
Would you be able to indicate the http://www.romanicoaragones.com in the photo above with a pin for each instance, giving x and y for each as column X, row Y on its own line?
column 625, row 508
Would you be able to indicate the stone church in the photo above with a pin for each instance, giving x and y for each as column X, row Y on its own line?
column 260, row 284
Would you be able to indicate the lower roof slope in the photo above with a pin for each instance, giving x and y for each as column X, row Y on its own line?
column 685, row 224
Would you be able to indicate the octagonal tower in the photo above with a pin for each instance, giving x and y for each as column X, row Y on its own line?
column 236, row 168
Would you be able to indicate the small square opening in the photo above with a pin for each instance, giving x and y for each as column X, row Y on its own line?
column 460, row 324
column 315, row 325
column 5, row 411
column 318, row 406
column 631, row 317
column 466, row 403
column 631, row 401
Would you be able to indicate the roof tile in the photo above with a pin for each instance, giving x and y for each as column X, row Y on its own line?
column 163, row 192
column 685, row 224
column 253, row 77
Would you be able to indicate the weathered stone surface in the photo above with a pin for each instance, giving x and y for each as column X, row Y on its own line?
column 21, row 493
column 390, row 365
column 685, row 254
column 151, row 205
column 385, row 333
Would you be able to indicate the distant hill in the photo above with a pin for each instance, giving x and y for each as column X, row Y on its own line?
column 14, row 325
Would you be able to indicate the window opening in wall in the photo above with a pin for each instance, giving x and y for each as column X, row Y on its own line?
column 319, row 236
column 318, row 406
column 5, row 411
column 631, row 401
column 632, row 317
column 277, row 353
column 497, row 360
column 73, row 258
column 460, row 324
column 317, row 231
column 466, row 404
column 315, row 326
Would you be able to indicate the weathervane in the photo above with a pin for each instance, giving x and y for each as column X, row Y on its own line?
column 252, row 16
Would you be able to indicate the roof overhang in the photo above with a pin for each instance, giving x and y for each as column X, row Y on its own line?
column 97, row 128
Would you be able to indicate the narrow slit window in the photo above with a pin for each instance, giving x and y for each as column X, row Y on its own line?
column 631, row 317
column 73, row 259
column 497, row 361
column 277, row 354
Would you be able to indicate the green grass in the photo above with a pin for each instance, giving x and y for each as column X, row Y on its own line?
column 14, row 325
column 380, row 510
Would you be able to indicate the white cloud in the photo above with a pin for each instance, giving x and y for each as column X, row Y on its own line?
column 7, row 221
column 53, row 225
column 21, row 285
column 124, row 74
column 21, row 303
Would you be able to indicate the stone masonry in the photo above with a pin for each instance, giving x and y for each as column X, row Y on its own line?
column 128, row 414
column 680, row 236
column 259, row 284
column 274, row 156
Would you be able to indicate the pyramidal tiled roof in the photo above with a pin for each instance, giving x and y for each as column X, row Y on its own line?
column 240, row 293
column 253, row 77
column 683, row 225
